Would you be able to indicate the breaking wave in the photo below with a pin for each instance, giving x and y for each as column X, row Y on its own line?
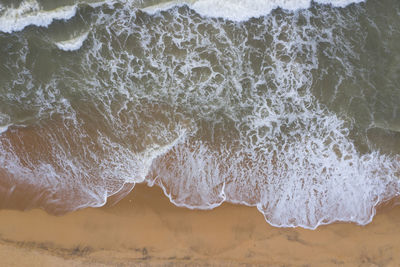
column 72, row 44
column 29, row 12
column 239, row 10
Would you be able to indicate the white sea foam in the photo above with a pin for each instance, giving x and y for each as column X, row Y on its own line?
column 240, row 10
column 74, row 43
column 81, row 176
column 339, row 3
column 292, row 176
column 279, row 149
column 4, row 128
column 4, row 123
column 29, row 12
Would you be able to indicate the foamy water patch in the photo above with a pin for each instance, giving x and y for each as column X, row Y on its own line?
column 307, row 186
column 78, row 176
column 241, row 10
column 74, row 43
column 4, row 128
column 4, row 123
column 259, row 138
column 296, row 161
column 339, row 3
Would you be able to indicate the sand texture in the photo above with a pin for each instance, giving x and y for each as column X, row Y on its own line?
column 145, row 229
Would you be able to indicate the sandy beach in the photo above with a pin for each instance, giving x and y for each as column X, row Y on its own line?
column 291, row 106
column 146, row 229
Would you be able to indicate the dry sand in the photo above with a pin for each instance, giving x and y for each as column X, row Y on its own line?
column 146, row 229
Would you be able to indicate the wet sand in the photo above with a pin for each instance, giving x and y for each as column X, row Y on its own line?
column 146, row 229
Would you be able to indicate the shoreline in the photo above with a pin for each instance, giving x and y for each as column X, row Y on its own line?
column 144, row 228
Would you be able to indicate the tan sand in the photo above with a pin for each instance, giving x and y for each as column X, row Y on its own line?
column 146, row 229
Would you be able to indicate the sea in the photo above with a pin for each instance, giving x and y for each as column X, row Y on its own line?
column 290, row 106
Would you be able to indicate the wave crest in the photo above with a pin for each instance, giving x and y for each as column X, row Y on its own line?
column 241, row 10
column 72, row 44
column 29, row 12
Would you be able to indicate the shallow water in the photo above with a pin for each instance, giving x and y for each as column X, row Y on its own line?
column 290, row 106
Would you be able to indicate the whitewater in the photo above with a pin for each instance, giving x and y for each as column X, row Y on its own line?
column 288, row 106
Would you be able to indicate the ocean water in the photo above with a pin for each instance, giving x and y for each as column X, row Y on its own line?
column 290, row 106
